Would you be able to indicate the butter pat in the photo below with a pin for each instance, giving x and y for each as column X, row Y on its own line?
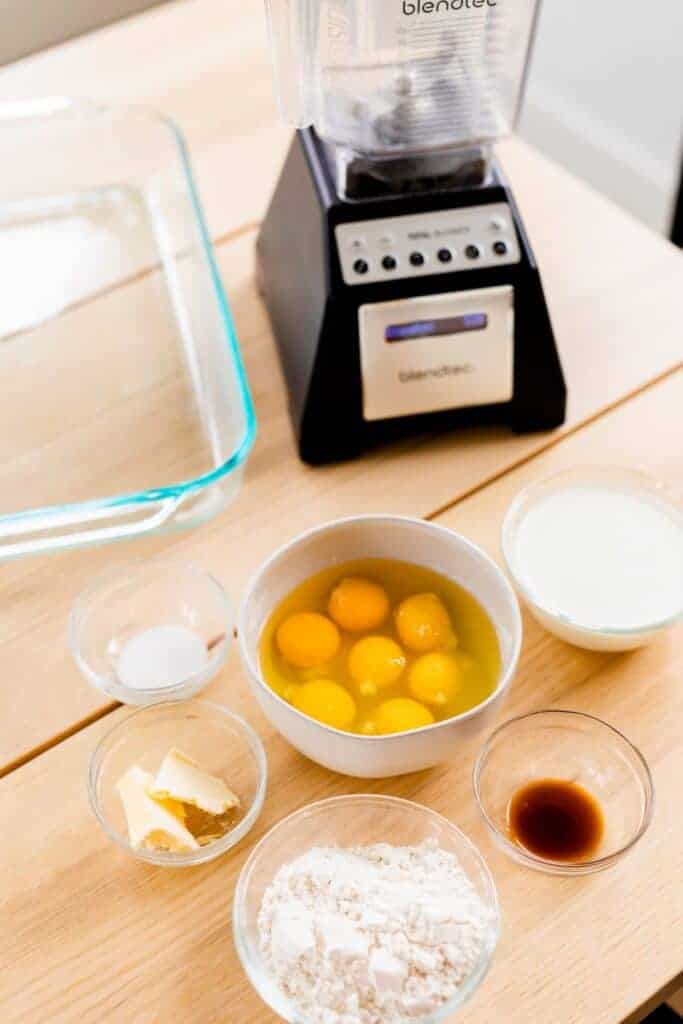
column 152, row 824
column 181, row 778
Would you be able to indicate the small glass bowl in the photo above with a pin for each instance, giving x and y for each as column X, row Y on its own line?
column 594, row 636
column 352, row 821
column 221, row 742
column 135, row 596
column 574, row 747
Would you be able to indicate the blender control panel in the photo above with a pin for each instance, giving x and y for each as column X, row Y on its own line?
column 427, row 243
column 435, row 352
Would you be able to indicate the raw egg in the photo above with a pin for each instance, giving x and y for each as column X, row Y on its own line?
column 423, row 623
column 375, row 632
column 358, row 604
column 400, row 715
column 435, row 678
column 375, row 662
column 308, row 639
column 327, row 702
column 467, row 665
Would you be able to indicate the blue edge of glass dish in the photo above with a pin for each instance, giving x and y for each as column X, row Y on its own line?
column 176, row 491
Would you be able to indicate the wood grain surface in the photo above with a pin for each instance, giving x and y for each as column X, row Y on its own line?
column 93, row 935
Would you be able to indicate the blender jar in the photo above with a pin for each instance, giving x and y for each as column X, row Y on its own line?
column 403, row 88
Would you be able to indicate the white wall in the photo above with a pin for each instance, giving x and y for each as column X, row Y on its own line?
column 605, row 97
column 30, row 25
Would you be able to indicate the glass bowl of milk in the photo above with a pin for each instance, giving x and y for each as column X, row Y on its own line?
column 596, row 553
column 151, row 630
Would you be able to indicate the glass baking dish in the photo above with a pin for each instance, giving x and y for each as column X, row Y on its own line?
column 125, row 407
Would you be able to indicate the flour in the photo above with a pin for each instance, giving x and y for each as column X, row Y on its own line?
column 372, row 935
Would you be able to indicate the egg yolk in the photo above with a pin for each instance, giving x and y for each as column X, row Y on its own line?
column 435, row 678
column 423, row 623
column 327, row 702
column 400, row 715
column 358, row 605
column 308, row 639
column 375, row 662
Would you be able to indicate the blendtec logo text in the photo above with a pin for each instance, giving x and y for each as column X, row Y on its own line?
column 441, row 6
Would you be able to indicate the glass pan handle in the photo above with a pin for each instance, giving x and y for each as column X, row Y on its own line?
column 55, row 530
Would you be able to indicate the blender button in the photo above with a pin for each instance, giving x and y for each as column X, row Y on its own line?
column 473, row 252
column 417, row 259
column 444, row 255
column 500, row 248
column 389, row 263
column 361, row 267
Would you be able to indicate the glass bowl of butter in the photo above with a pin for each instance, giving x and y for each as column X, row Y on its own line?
column 178, row 784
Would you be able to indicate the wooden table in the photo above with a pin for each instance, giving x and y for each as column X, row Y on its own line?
column 88, row 934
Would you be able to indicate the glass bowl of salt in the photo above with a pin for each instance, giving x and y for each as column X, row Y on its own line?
column 151, row 631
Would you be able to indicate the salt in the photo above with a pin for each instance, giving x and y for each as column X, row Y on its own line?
column 161, row 656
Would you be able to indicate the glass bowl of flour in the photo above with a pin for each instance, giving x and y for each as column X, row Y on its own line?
column 361, row 909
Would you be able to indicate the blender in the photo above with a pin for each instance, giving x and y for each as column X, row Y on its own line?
column 400, row 282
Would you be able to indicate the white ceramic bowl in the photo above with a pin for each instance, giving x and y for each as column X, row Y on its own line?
column 378, row 536
column 596, row 636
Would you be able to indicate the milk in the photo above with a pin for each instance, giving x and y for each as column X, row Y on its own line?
column 606, row 559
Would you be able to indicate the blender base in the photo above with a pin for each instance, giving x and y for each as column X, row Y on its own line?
column 323, row 283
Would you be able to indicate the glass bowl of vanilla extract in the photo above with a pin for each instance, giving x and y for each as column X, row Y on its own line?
column 563, row 792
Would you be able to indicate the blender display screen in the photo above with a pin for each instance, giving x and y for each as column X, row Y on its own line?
column 433, row 328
